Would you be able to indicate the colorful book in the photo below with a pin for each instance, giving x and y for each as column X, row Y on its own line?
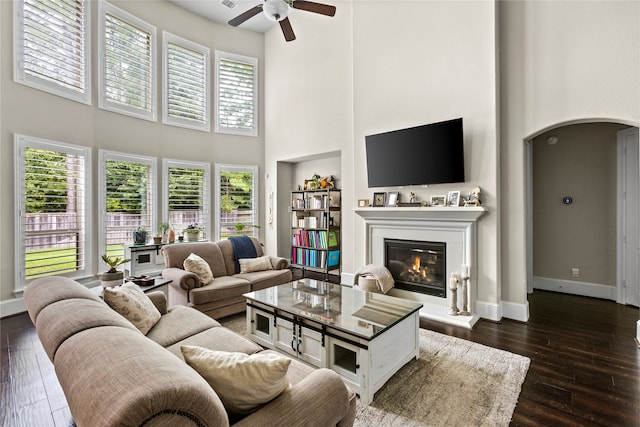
column 333, row 238
column 334, row 258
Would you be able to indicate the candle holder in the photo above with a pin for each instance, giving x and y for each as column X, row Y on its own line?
column 465, row 297
column 453, row 286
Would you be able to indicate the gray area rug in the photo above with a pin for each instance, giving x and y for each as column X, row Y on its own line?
column 454, row 382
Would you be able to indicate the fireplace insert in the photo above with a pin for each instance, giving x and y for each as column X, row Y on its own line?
column 417, row 266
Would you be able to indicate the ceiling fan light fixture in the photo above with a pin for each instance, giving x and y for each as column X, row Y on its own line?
column 275, row 10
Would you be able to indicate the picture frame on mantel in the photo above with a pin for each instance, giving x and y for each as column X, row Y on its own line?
column 379, row 199
column 437, row 201
column 453, row 198
column 392, row 199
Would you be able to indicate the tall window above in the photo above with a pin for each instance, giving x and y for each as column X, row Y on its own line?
column 186, row 83
column 52, row 47
column 127, row 199
column 127, row 70
column 51, row 209
column 236, row 200
column 186, row 195
column 236, row 94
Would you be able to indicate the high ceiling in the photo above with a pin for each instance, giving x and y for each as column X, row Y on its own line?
column 224, row 10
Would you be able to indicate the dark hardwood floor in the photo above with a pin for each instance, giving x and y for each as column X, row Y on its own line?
column 585, row 365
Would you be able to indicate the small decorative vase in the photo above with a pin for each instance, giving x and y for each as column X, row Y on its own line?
column 110, row 280
column 192, row 237
column 157, row 240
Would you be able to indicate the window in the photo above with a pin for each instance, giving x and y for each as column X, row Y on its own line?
column 51, row 209
column 186, row 83
column 52, row 47
column 236, row 94
column 127, row 199
column 186, row 195
column 236, row 200
column 127, row 71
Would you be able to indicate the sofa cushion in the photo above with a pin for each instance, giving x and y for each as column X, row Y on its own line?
column 179, row 323
column 174, row 255
column 130, row 302
column 220, row 339
column 220, row 289
column 248, row 265
column 243, row 382
column 227, row 252
column 199, row 267
column 266, row 279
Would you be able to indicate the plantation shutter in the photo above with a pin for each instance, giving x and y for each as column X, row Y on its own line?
column 237, row 99
column 237, row 201
column 128, row 204
column 52, row 210
column 187, row 81
column 54, row 47
column 188, row 198
column 128, row 64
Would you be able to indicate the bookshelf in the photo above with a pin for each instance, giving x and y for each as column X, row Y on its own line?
column 315, row 231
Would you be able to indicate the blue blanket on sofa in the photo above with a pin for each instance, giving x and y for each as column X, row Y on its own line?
column 242, row 248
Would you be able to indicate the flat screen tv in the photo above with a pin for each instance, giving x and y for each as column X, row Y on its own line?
column 427, row 154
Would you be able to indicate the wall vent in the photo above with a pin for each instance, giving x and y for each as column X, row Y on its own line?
column 230, row 4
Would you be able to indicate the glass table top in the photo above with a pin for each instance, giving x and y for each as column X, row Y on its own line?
column 357, row 312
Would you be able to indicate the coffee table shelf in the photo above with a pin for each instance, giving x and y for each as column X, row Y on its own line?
column 363, row 336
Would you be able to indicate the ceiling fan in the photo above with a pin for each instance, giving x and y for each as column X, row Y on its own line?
column 278, row 10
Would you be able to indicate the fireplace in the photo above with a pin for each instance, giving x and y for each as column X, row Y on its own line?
column 417, row 266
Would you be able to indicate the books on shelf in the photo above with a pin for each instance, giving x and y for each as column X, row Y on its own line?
column 334, row 258
column 332, row 238
column 318, row 239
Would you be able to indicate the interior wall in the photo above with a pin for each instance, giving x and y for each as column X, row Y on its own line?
column 560, row 62
column 582, row 165
column 32, row 112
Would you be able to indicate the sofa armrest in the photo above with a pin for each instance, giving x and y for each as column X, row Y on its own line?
column 320, row 399
column 182, row 278
column 279, row 263
column 159, row 299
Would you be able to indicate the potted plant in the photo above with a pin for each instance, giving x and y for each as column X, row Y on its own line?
column 139, row 236
column 112, row 277
column 192, row 232
column 163, row 231
column 240, row 227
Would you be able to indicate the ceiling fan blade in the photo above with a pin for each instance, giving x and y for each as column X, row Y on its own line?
column 309, row 6
column 245, row 15
column 287, row 30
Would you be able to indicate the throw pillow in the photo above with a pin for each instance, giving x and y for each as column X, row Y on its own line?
column 131, row 303
column 247, row 265
column 199, row 267
column 243, row 382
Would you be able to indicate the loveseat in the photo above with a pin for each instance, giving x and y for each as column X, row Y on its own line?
column 223, row 296
column 114, row 375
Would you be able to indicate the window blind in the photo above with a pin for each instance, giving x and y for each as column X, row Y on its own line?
column 128, row 204
column 187, row 81
column 53, row 219
column 237, row 201
column 236, row 94
column 188, row 198
column 54, row 46
column 128, row 64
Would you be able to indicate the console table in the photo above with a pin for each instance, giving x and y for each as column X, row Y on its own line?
column 363, row 336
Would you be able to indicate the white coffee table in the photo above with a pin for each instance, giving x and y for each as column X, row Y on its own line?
column 363, row 336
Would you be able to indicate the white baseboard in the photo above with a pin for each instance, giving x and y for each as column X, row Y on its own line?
column 347, row 279
column 13, row 306
column 489, row 310
column 638, row 333
column 515, row 311
column 586, row 289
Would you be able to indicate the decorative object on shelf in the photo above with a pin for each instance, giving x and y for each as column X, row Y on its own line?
column 157, row 240
column 172, row 236
column 113, row 276
column 438, row 201
column 412, row 197
column 464, row 280
column 363, row 203
column 192, row 232
column 453, row 198
column 139, row 236
column 453, row 286
column 163, row 231
column 473, row 199
column 328, row 182
column 378, row 199
column 393, row 199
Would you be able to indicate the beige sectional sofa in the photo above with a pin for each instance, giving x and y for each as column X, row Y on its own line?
column 223, row 296
column 113, row 375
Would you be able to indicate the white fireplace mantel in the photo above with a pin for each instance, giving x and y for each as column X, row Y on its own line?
column 456, row 226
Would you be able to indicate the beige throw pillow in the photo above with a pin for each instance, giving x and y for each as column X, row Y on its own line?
column 199, row 267
column 243, row 382
column 131, row 303
column 247, row 265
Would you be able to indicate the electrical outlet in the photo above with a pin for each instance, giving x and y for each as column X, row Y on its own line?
column 575, row 272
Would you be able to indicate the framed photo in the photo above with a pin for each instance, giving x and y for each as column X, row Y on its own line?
column 392, row 199
column 453, row 198
column 438, row 201
column 363, row 203
column 378, row 199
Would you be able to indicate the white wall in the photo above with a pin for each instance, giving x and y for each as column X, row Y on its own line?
column 32, row 112
column 561, row 62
